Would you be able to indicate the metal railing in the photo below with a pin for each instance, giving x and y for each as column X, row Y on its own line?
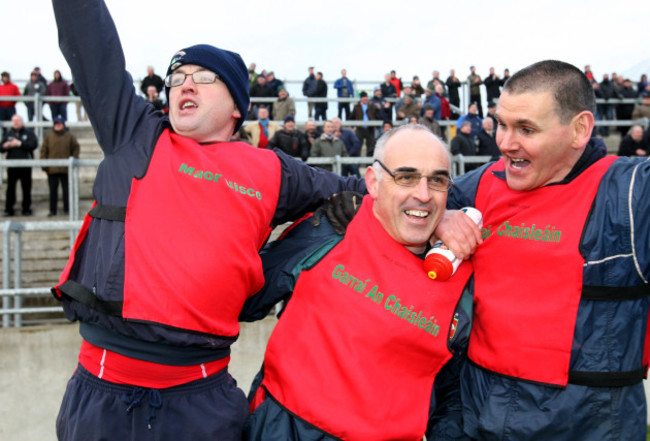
column 40, row 123
column 12, row 297
column 73, row 165
column 12, row 305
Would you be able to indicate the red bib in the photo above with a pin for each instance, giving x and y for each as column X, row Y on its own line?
column 357, row 349
column 528, row 275
column 194, row 226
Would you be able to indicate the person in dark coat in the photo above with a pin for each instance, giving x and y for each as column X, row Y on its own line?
column 487, row 145
column 18, row 142
column 633, row 144
column 321, row 92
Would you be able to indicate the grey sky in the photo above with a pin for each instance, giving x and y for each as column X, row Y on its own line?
column 367, row 38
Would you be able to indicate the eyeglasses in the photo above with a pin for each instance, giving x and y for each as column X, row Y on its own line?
column 436, row 182
column 199, row 77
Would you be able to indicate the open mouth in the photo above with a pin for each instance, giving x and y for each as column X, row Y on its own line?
column 518, row 163
column 187, row 105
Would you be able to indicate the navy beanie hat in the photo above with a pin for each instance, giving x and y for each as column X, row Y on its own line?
column 228, row 65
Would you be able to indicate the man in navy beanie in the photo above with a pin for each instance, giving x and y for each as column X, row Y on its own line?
column 169, row 253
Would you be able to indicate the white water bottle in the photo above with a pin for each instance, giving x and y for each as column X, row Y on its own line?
column 440, row 263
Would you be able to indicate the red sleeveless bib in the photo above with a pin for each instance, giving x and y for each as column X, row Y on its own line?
column 357, row 349
column 194, row 226
column 528, row 275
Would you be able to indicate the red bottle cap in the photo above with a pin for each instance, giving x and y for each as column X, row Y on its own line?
column 438, row 267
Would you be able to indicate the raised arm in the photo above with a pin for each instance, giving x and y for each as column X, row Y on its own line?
column 90, row 44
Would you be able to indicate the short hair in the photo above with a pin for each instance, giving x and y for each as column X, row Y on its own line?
column 631, row 129
column 570, row 87
column 380, row 145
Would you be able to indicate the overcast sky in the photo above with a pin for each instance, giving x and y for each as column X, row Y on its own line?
column 369, row 38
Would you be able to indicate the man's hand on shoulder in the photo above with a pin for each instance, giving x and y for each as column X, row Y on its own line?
column 340, row 209
column 458, row 232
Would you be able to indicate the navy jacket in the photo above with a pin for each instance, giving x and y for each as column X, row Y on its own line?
column 127, row 129
column 609, row 333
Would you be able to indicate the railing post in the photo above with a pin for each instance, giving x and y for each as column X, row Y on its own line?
column 6, row 270
column 38, row 115
column 337, row 165
column 18, row 275
column 73, row 188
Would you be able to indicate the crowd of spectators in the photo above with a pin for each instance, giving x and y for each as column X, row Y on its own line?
column 391, row 95
column 272, row 116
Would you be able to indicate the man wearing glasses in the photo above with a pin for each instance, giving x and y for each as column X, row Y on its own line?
column 169, row 253
column 355, row 353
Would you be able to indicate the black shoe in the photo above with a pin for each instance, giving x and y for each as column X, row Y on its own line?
column 27, row 212
column 51, row 214
column 8, row 213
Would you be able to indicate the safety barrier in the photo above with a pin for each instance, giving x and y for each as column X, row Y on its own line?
column 12, row 306
column 40, row 123
column 73, row 165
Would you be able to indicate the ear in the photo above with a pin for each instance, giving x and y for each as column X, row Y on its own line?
column 236, row 113
column 583, row 126
column 372, row 183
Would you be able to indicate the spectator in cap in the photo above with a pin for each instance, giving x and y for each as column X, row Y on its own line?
column 284, row 105
column 434, row 101
column 408, row 92
column 410, row 108
column 59, row 144
column 168, row 256
column 290, row 140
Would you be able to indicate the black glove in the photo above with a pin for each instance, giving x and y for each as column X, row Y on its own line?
column 339, row 208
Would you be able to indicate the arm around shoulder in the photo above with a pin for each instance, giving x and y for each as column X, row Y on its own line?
column 303, row 188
